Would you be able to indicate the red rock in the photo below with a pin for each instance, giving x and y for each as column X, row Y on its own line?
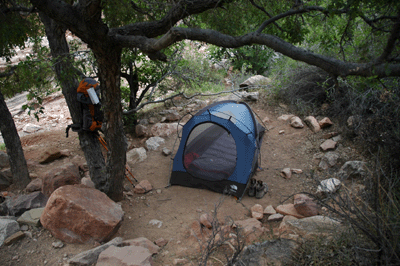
column 49, row 154
column 67, row 174
column 144, row 186
column 125, row 256
column 286, row 173
column 275, row 217
column 142, row 242
column 206, row 220
column 288, row 209
column 77, row 214
column 305, row 205
column 257, row 211
column 296, row 122
column 164, row 129
column 251, row 228
column 141, row 130
column 269, row 210
column 325, row 122
column 161, row 242
column 34, row 185
column 328, row 145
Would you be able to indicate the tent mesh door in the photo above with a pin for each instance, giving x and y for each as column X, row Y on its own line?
column 210, row 152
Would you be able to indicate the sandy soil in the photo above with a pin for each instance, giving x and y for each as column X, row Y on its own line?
column 177, row 207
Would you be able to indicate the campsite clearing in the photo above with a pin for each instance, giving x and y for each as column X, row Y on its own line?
column 169, row 212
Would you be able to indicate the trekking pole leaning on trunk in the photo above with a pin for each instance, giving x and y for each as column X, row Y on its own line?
column 104, row 143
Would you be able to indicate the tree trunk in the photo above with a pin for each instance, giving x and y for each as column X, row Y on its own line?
column 67, row 76
column 19, row 168
column 109, row 62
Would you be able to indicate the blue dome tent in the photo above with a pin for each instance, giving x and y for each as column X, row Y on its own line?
column 219, row 149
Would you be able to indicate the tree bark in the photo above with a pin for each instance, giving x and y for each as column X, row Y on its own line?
column 19, row 168
column 109, row 62
column 67, row 75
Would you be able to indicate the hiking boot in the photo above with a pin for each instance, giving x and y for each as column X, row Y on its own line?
column 252, row 188
column 261, row 189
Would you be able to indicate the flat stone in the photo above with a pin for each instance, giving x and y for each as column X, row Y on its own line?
column 125, row 256
column 90, row 257
column 269, row 210
column 144, row 186
column 142, row 242
column 31, row 217
column 14, row 238
column 328, row 145
column 288, row 209
column 312, row 226
column 275, row 217
column 285, row 117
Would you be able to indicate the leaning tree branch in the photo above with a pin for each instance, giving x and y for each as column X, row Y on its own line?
column 331, row 65
column 181, row 94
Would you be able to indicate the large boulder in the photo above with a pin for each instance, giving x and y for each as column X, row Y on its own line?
column 78, row 214
column 67, row 174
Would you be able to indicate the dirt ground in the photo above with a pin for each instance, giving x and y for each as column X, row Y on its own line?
column 177, row 207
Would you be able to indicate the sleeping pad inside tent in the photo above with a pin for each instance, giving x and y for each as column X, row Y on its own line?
column 219, row 149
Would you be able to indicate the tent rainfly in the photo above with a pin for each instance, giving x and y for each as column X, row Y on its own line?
column 219, row 149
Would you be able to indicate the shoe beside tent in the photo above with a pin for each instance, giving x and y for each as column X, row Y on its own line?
column 219, row 149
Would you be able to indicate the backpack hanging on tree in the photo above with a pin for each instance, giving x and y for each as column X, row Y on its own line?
column 88, row 95
column 92, row 116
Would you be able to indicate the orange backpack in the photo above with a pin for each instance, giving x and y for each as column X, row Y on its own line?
column 92, row 113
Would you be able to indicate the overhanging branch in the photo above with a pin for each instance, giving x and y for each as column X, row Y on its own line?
column 331, row 65
column 180, row 94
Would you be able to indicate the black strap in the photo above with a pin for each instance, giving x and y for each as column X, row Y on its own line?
column 75, row 128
